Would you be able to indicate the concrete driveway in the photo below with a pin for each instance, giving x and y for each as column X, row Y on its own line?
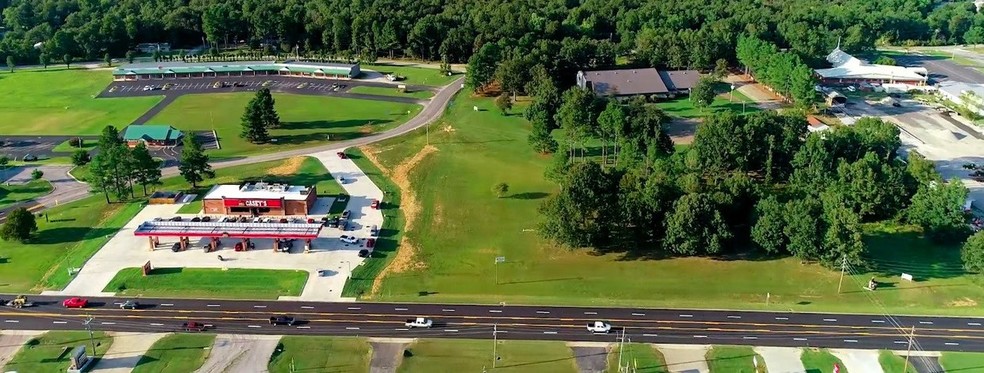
column 685, row 358
column 859, row 360
column 240, row 353
column 11, row 341
column 782, row 359
column 126, row 351
column 591, row 357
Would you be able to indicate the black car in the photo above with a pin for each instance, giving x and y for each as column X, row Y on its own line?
column 363, row 253
column 282, row 320
column 346, row 213
column 130, row 305
column 176, row 218
column 176, row 247
column 196, row 219
column 206, row 219
column 243, row 219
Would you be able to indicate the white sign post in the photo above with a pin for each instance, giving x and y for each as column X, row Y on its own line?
column 498, row 259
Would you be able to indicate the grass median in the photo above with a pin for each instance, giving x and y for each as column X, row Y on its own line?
column 734, row 359
column 640, row 357
column 893, row 363
column 11, row 194
column 391, row 91
column 50, row 351
column 176, row 353
column 963, row 362
column 461, row 355
column 321, row 354
column 820, row 361
column 232, row 283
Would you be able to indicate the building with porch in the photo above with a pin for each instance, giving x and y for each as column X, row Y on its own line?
column 152, row 135
column 649, row 82
column 260, row 199
column 180, row 70
column 850, row 70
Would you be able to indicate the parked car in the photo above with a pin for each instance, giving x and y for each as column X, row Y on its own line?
column 332, row 223
column 193, row 326
column 346, row 213
column 267, row 83
column 243, row 219
column 217, row 85
column 130, row 305
column 375, row 204
column 30, row 158
column 302, row 85
column 364, row 253
column 348, row 239
column 341, row 155
column 370, row 242
column 238, row 84
column 284, row 220
column 599, row 327
column 282, row 320
column 310, row 220
column 147, row 88
column 239, row 246
column 206, row 218
column 176, row 247
column 420, row 322
column 176, row 218
column 75, row 302
column 374, row 231
column 196, row 219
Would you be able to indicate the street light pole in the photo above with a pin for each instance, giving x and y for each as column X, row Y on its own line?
column 88, row 327
column 495, row 343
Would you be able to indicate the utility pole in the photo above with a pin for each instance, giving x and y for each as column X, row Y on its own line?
column 495, row 343
column 621, row 343
column 908, row 349
column 88, row 327
column 843, row 268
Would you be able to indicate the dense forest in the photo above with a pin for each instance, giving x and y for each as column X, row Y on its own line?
column 562, row 35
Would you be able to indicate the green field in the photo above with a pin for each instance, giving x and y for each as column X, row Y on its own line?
column 232, row 283
column 891, row 363
column 642, row 357
column 307, row 120
column 820, row 361
column 11, row 194
column 467, row 355
column 176, row 353
column 682, row 107
column 46, row 353
column 66, row 148
column 733, row 359
column 414, row 75
column 321, row 354
column 962, row 362
column 61, row 102
column 382, row 91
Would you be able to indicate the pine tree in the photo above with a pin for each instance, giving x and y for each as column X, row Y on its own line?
column 268, row 111
column 254, row 130
column 146, row 169
column 194, row 165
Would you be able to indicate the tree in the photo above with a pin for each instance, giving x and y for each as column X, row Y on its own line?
column 109, row 138
column 500, row 189
column 44, row 59
column 579, row 215
column 37, row 174
column 611, row 125
column 885, row 60
column 194, row 165
column 80, row 157
column 130, row 56
column 938, row 209
column 254, row 130
column 576, row 115
column 67, row 59
column 770, row 220
column 720, row 68
column 108, row 60
column 972, row 253
column 702, row 94
column 695, row 226
column 803, row 229
column 504, row 103
column 842, row 237
column 541, row 140
column 482, row 65
column 267, row 107
column 512, row 75
column 19, row 225
column 146, row 169
column 156, row 55
column 10, row 63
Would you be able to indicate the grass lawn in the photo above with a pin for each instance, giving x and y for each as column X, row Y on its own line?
column 233, row 283
column 307, row 120
column 817, row 360
column 460, row 355
column 684, row 108
column 321, row 354
column 176, row 353
column 642, row 356
column 963, row 362
column 454, row 211
column 381, row 91
column 57, row 101
column 46, row 352
column 66, row 148
column 414, row 75
column 733, row 359
column 11, row 194
column 891, row 363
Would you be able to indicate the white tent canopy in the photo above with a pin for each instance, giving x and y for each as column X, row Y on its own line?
column 847, row 66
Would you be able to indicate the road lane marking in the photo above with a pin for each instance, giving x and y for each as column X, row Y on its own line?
column 212, row 305
column 399, row 309
column 749, row 337
column 782, row 318
column 549, row 332
column 830, row 320
column 686, row 315
column 649, row 335
column 734, row 317
column 357, row 308
column 638, row 314
column 447, row 310
column 108, row 323
column 11, row 321
column 307, row 307
column 495, row 311
column 252, row 326
column 59, row 322
column 258, row 306
column 878, row 321
column 590, row 313
column 156, row 324
column 926, row 322
column 167, row 304
column 543, row 312
column 402, row 329
column 799, row 339
column 974, row 324
column 851, row 340
column 700, row 336
column 451, row 330
column 502, row 331
column 951, row 344
column 304, row 327
column 351, row 328
column 901, row 342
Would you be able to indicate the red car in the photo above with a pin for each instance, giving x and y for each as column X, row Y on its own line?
column 375, row 204
column 341, row 155
column 370, row 242
column 192, row 326
column 75, row 303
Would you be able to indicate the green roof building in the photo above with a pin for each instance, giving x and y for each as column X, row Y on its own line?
column 177, row 70
column 153, row 135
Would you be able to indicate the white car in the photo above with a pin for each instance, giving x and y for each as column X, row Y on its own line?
column 348, row 239
column 147, row 88
column 419, row 322
column 599, row 327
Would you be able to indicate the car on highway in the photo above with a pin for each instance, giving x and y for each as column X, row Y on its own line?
column 130, row 305
column 282, row 320
column 419, row 322
column 370, row 243
column 348, row 239
column 599, row 327
column 193, row 326
column 75, row 302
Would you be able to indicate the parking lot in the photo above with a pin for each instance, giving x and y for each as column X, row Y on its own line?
column 276, row 83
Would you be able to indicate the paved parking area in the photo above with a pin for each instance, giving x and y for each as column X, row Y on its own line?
column 16, row 147
column 240, row 353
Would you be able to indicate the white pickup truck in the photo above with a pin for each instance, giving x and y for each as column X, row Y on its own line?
column 599, row 327
column 419, row 322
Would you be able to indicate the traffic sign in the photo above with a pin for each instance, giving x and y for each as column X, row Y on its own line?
column 500, row 259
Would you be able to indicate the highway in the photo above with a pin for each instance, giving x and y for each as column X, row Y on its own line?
column 511, row 322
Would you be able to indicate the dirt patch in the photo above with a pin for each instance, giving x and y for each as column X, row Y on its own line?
column 682, row 130
column 289, row 167
column 400, row 175
column 371, row 152
column 963, row 302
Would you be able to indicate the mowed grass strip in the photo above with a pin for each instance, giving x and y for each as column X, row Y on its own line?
column 65, row 147
column 468, row 355
column 176, row 353
column 414, row 75
column 391, row 91
column 14, row 193
column 57, row 101
column 683, row 107
column 232, row 283
column 641, row 358
column 307, row 120
column 734, row 359
column 893, row 363
column 321, row 354
column 963, row 362
column 47, row 352
column 820, row 361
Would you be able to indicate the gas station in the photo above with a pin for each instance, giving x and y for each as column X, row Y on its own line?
column 215, row 231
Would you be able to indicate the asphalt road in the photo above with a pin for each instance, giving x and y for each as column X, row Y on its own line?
column 512, row 322
column 941, row 69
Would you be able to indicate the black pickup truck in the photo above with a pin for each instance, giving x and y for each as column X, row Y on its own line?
column 282, row 320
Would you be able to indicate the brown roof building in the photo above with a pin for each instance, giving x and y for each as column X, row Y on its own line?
column 634, row 82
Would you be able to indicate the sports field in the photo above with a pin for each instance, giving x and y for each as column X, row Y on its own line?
column 57, row 101
column 307, row 120
column 452, row 210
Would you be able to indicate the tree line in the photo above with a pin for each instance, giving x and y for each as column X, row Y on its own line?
column 561, row 35
column 748, row 182
column 784, row 72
